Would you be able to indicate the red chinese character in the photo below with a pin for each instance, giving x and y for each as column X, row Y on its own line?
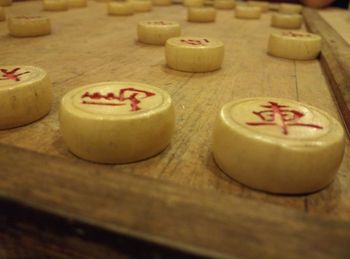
column 12, row 74
column 195, row 42
column 296, row 34
column 281, row 116
column 159, row 23
column 134, row 98
column 28, row 17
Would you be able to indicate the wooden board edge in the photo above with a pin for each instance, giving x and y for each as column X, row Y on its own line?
column 334, row 60
column 205, row 223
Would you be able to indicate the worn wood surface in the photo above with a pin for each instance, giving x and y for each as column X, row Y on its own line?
column 199, row 222
column 34, row 234
column 106, row 49
column 339, row 20
column 88, row 46
column 335, row 61
column 335, row 58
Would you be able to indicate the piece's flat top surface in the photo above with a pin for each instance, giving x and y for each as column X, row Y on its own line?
column 87, row 46
column 339, row 19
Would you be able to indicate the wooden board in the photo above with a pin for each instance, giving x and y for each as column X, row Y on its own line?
column 339, row 20
column 335, row 58
column 88, row 46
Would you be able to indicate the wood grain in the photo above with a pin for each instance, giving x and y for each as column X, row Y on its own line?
column 339, row 20
column 87, row 46
column 35, row 234
column 199, row 222
column 335, row 59
column 106, row 49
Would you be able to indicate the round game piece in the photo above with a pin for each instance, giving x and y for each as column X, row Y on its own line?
column 142, row 5
column 55, row 5
column 157, row 32
column 278, row 145
column 224, row 4
column 194, row 54
column 286, row 21
column 248, row 12
column 28, row 26
column 274, row 6
column 25, row 94
column 77, row 3
column 208, row 2
column 294, row 45
column 290, row 8
column 116, row 122
column 120, row 8
column 5, row 2
column 265, row 6
column 201, row 14
column 162, row 2
column 190, row 3
column 2, row 14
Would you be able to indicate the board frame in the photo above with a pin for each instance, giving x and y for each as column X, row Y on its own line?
column 335, row 61
column 51, row 214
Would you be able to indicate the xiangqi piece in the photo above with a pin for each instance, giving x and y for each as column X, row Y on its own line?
column 194, row 54
column 294, row 45
column 25, row 93
column 28, row 26
column 286, row 21
column 278, row 145
column 201, row 14
column 116, row 122
column 157, row 32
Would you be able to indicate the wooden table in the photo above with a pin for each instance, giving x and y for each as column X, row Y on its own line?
column 179, row 202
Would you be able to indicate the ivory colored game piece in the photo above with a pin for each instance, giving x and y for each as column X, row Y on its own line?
column 77, row 3
column 194, row 54
column 224, row 4
column 274, row 6
column 294, row 45
column 157, row 32
column 248, row 12
column 278, row 145
column 191, row 3
column 201, row 14
column 120, row 8
column 290, row 8
column 208, row 2
column 25, row 94
column 116, row 122
column 142, row 5
column 265, row 6
column 55, row 5
column 5, row 2
column 286, row 21
column 162, row 2
column 2, row 14
column 28, row 26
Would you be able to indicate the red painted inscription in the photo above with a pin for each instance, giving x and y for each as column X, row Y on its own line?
column 11, row 74
column 296, row 34
column 193, row 42
column 159, row 23
column 280, row 115
column 28, row 17
column 132, row 95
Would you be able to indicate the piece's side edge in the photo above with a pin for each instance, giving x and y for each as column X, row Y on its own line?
column 204, row 223
column 335, row 61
